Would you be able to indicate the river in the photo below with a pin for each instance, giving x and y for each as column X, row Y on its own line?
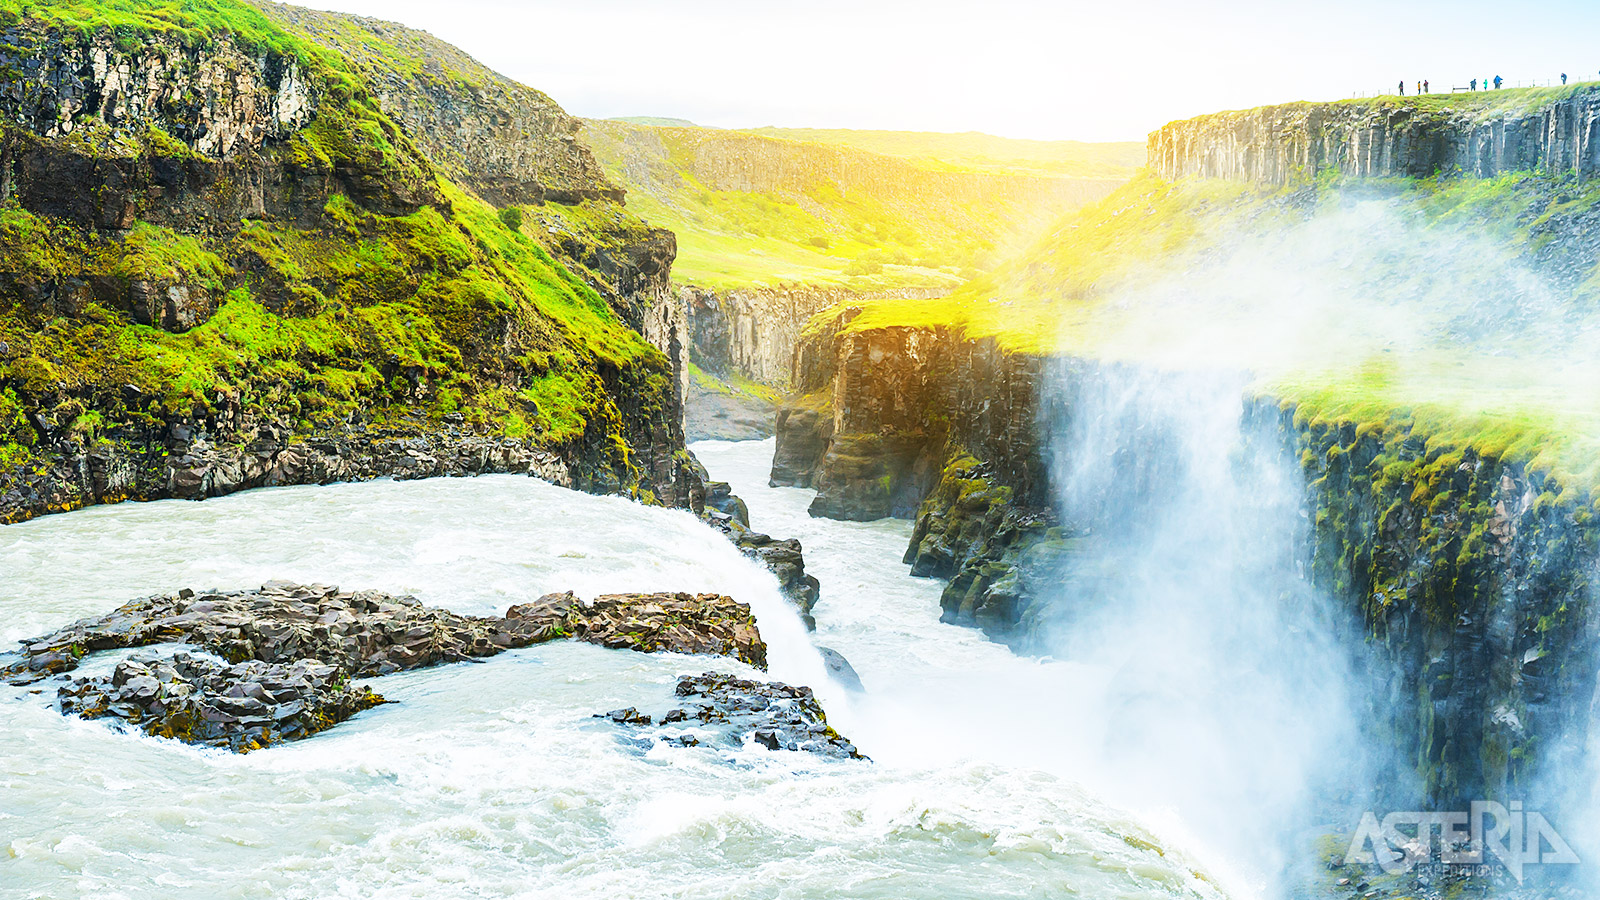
column 495, row 780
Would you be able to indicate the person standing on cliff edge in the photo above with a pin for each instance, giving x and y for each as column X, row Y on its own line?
column 1563, row 79
column 1426, row 89
column 1497, row 81
column 1474, row 84
column 1402, row 88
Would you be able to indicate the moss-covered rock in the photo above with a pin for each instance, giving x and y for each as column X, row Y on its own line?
column 214, row 235
column 1474, row 579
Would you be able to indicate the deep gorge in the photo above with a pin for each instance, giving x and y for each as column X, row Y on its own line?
column 1085, row 620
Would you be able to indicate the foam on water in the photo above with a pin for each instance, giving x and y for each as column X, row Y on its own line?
column 493, row 779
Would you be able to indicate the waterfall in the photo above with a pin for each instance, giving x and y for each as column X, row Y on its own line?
column 1227, row 696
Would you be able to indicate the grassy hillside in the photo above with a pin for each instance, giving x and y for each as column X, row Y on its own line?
column 370, row 288
column 750, row 209
column 1469, row 308
column 975, row 151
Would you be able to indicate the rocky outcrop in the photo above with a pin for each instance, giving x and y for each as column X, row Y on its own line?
column 751, row 335
column 784, row 558
column 218, row 101
column 736, row 712
column 154, row 177
column 284, row 654
column 507, row 142
column 881, row 410
column 1481, row 135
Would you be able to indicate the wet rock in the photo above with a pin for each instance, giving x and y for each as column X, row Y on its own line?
column 720, row 497
column 739, row 711
column 629, row 716
column 723, row 510
column 240, row 706
column 289, row 651
column 840, row 669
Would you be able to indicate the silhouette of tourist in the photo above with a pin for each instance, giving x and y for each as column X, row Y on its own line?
column 1497, row 81
column 1419, row 87
column 1474, row 84
column 1563, row 78
column 1425, row 88
column 1402, row 88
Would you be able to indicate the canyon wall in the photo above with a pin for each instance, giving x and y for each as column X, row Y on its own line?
column 1480, row 135
column 756, row 331
column 511, row 145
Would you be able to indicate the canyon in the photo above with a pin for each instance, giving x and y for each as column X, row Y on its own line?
column 262, row 246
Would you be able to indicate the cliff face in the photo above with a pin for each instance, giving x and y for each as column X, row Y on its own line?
column 224, row 264
column 880, row 411
column 506, row 142
column 1387, row 138
column 1473, row 582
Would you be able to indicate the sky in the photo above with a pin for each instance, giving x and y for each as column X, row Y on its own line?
column 1109, row 70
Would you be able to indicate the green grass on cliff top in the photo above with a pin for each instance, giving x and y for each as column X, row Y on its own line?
column 1385, row 303
column 1479, row 105
column 866, row 241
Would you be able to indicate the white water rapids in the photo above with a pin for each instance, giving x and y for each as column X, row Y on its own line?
column 493, row 779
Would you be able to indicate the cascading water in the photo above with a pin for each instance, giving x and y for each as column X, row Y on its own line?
column 494, row 780
column 1229, row 694
column 1195, row 677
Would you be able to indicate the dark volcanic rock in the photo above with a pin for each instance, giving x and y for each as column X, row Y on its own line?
column 240, row 706
column 726, row 512
column 840, row 669
column 776, row 716
column 289, row 652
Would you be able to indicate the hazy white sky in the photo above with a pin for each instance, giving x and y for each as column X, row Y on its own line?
column 1110, row 70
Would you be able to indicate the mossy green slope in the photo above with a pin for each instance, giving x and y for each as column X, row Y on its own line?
column 753, row 209
column 381, row 293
